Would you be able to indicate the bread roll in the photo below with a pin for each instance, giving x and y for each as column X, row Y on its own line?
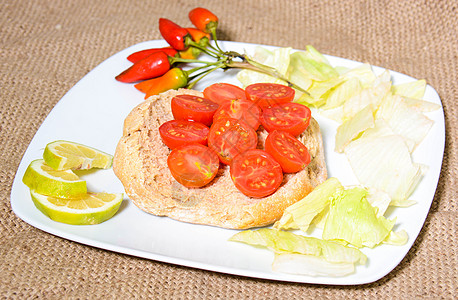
column 140, row 162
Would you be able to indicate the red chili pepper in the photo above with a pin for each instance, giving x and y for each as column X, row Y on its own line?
column 199, row 37
column 175, row 78
column 152, row 66
column 203, row 19
column 174, row 34
column 134, row 57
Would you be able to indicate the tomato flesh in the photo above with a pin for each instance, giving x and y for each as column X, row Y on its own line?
column 290, row 117
column 269, row 94
column 256, row 173
column 175, row 133
column 240, row 110
column 288, row 151
column 228, row 137
column 222, row 92
column 193, row 165
column 193, row 108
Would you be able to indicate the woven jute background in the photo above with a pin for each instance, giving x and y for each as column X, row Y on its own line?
column 47, row 46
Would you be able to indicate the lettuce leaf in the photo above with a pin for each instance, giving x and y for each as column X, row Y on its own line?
column 372, row 95
column 314, row 54
column 287, row 242
column 384, row 162
column 278, row 59
column 307, row 66
column 421, row 105
column 363, row 73
column 301, row 214
column 342, row 93
column 379, row 200
column 352, row 219
column 414, row 89
column 397, row 238
column 351, row 128
column 310, row 265
column 404, row 120
column 382, row 128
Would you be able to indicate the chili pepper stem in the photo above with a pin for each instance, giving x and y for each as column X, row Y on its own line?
column 213, row 32
column 203, row 74
column 191, row 43
column 249, row 64
column 193, row 70
column 187, row 60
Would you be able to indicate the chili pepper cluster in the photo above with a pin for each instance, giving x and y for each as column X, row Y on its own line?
column 160, row 69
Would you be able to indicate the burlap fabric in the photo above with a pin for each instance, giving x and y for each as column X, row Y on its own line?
column 47, row 46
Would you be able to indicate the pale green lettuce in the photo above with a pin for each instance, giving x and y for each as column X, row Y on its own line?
column 414, row 89
column 278, row 59
column 309, row 265
column 404, row 120
column 287, row 242
column 354, row 220
column 353, row 127
column 384, row 163
column 301, row 214
column 305, row 65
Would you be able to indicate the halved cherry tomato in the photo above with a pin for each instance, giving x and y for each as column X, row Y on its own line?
column 175, row 133
column 193, row 108
column 228, row 137
column 290, row 117
column 268, row 94
column 241, row 110
column 290, row 153
column 222, row 92
column 256, row 173
column 193, row 165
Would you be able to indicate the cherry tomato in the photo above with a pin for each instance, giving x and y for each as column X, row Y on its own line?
column 193, row 165
column 175, row 133
column 268, row 94
column 241, row 110
column 228, row 137
column 290, row 117
column 256, row 173
column 290, row 153
column 222, row 92
column 193, row 108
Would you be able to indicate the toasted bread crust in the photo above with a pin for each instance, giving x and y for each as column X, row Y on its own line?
column 140, row 162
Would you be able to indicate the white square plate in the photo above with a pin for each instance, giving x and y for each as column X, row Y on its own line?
column 93, row 112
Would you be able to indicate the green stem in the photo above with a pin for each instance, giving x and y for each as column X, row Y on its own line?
column 215, row 54
column 213, row 32
column 190, row 71
column 250, row 64
column 186, row 60
column 201, row 75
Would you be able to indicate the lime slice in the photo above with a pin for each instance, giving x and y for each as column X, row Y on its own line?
column 94, row 208
column 45, row 180
column 63, row 155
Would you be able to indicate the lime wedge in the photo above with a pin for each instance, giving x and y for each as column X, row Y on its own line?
column 94, row 208
column 45, row 180
column 63, row 155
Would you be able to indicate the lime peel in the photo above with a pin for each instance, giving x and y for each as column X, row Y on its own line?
column 63, row 155
column 85, row 216
column 47, row 181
